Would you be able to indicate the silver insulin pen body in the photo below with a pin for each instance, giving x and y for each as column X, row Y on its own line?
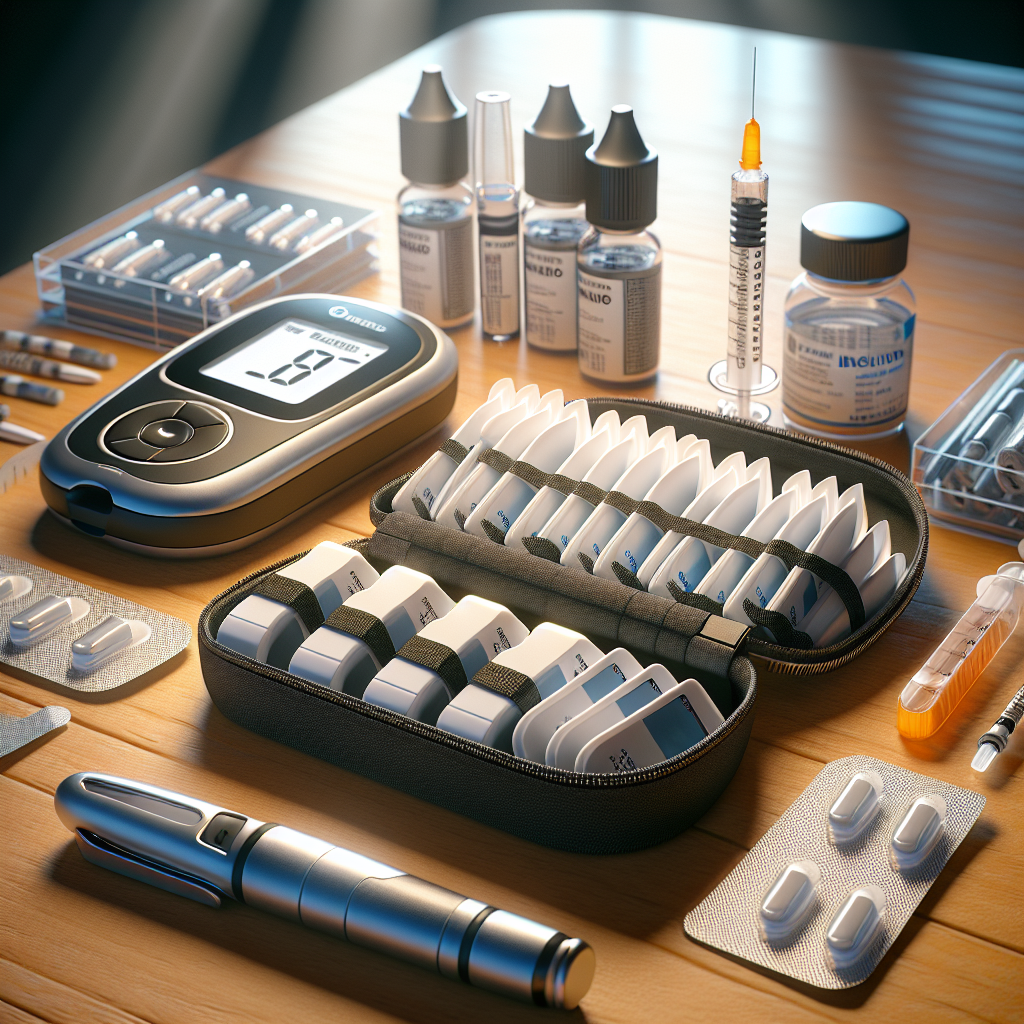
column 208, row 853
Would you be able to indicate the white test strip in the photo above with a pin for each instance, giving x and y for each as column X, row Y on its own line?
column 691, row 560
column 671, row 724
column 522, row 405
column 427, row 481
column 575, row 510
column 801, row 589
column 534, row 730
column 603, row 522
column 761, row 581
column 548, row 500
column 481, row 478
column 636, row 692
column 723, row 576
column 506, row 500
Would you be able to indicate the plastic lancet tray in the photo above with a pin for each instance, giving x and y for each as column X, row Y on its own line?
column 973, row 494
column 142, row 308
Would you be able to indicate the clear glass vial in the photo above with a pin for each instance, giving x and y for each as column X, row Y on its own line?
column 554, row 220
column 435, row 210
column 849, row 324
column 618, row 262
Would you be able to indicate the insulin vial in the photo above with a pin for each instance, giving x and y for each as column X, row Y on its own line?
column 497, row 210
column 618, row 261
column 849, row 324
column 554, row 220
column 435, row 210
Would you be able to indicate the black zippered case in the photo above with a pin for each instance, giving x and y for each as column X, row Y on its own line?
column 563, row 809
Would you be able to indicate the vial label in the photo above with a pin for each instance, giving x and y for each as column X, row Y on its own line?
column 550, row 287
column 619, row 325
column 437, row 270
column 853, row 373
column 499, row 281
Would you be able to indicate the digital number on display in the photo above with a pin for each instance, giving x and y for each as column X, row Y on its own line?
column 293, row 361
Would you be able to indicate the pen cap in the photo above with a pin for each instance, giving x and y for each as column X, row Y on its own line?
column 853, row 241
column 432, row 133
column 554, row 150
column 621, row 178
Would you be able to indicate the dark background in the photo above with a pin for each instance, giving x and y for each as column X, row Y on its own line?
column 103, row 100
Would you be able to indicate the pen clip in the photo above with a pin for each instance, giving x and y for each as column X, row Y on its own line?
column 102, row 852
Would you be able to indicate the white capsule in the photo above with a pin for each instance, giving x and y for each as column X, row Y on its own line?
column 918, row 833
column 258, row 232
column 190, row 216
column 45, row 617
column 789, row 902
column 103, row 642
column 13, row 587
column 856, row 926
column 166, row 210
column 283, row 237
column 227, row 211
column 856, row 807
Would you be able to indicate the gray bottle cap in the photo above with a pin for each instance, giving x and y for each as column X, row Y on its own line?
column 432, row 133
column 854, row 241
column 554, row 149
column 621, row 177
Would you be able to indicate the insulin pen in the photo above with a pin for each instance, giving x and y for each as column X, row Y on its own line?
column 39, row 345
column 993, row 743
column 24, row 362
column 17, row 387
column 208, row 854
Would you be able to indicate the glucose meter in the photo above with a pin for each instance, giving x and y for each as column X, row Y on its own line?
column 230, row 435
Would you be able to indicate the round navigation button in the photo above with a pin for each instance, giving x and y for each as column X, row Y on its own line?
column 166, row 433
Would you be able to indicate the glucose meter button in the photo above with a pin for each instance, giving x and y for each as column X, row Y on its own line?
column 204, row 440
column 166, row 433
column 129, row 425
column 200, row 416
column 132, row 448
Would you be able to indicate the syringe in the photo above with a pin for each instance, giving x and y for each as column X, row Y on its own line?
column 743, row 372
column 944, row 679
column 994, row 741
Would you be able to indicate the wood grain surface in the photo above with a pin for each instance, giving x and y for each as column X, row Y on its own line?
column 939, row 139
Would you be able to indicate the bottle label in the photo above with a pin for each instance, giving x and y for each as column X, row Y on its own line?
column 499, row 281
column 437, row 270
column 550, row 287
column 619, row 325
column 851, row 378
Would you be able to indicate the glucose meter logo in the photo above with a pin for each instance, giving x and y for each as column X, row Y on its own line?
column 343, row 314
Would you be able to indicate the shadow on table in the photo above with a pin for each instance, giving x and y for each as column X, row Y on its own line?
column 634, row 893
column 362, row 976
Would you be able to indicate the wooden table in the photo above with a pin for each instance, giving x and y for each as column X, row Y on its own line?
column 938, row 139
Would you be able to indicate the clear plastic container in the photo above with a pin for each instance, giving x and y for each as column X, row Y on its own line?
column 138, row 303
column 847, row 356
column 983, row 494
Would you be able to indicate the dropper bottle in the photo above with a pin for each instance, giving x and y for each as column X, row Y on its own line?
column 554, row 220
column 435, row 210
column 497, row 205
column 618, row 260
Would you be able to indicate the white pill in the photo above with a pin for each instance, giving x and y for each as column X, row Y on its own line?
column 45, row 617
column 788, row 903
column 13, row 587
column 918, row 832
column 856, row 926
column 856, row 807
column 105, row 641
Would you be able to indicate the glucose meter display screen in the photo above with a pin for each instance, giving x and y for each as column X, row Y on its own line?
column 293, row 361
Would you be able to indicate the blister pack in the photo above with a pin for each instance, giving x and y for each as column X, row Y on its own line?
column 827, row 889
column 82, row 638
